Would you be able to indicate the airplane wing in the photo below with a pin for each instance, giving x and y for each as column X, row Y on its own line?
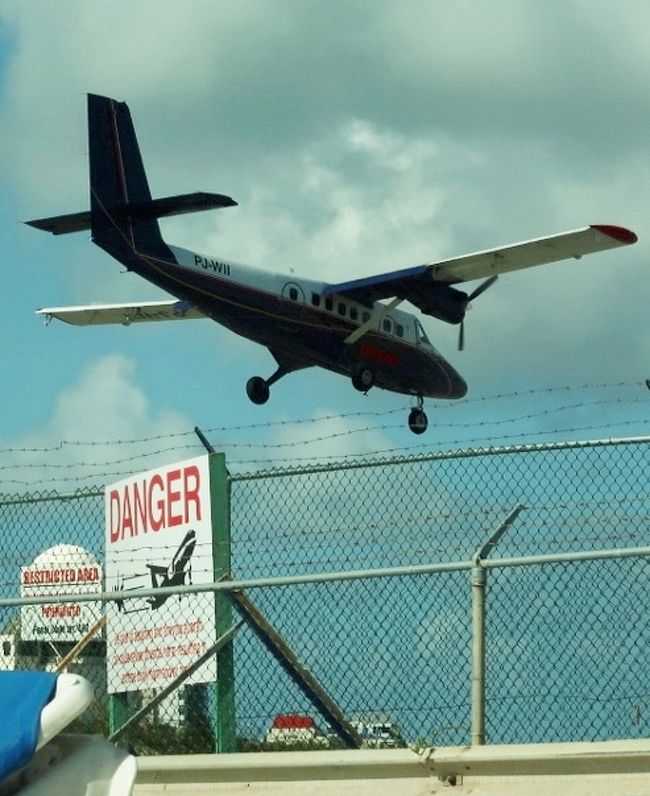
column 413, row 284
column 145, row 311
column 157, row 568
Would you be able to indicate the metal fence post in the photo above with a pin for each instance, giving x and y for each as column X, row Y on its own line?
column 225, row 719
column 118, row 714
column 479, row 583
column 479, row 589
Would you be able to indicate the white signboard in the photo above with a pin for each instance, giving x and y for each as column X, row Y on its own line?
column 61, row 570
column 159, row 534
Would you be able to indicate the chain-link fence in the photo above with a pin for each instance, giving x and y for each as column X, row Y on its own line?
column 363, row 575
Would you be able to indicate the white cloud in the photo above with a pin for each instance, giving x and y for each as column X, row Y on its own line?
column 359, row 138
column 358, row 200
column 106, row 404
column 78, row 445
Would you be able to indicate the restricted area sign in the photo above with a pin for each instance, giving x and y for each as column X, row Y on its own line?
column 64, row 569
column 158, row 535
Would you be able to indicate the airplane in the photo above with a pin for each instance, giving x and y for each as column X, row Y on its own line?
column 176, row 572
column 345, row 327
column 173, row 575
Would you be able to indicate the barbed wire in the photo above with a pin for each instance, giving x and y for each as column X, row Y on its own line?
column 118, row 467
column 112, row 462
column 446, row 406
column 427, row 446
column 333, row 436
column 405, row 450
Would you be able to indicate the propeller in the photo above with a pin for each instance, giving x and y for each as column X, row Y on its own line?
column 474, row 294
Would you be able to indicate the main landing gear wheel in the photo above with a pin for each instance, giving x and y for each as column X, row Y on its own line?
column 363, row 378
column 418, row 421
column 257, row 390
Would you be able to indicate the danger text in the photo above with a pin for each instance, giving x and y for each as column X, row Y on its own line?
column 164, row 500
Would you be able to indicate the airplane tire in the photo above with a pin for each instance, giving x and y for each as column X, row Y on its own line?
column 418, row 421
column 257, row 390
column 363, row 378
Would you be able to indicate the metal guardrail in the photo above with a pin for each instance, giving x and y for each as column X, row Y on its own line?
column 614, row 767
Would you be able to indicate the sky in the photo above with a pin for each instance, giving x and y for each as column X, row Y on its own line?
column 357, row 138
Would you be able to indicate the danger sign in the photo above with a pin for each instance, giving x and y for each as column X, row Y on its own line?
column 159, row 535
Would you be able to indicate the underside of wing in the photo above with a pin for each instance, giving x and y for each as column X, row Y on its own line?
column 553, row 248
column 125, row 314
column 423, row 285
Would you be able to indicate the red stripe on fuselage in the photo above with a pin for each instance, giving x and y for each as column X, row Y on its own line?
column 387, row 358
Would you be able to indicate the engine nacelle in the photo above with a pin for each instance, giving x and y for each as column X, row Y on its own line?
column 441, row 301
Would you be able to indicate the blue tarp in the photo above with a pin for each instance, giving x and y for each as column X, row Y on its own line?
column 23, row 695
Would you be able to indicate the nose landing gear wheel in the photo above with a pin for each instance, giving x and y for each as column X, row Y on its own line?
column 257, row 390
column 363, row 378
column 418, row 421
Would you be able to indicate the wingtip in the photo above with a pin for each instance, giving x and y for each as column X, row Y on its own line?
column 621, row 234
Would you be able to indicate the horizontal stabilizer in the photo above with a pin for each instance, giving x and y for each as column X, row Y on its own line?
column 62, row 225
column 125, row 314
column 154, row 208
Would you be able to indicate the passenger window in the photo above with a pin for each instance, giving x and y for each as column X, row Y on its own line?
column 315, row 299
column 399, row 330
column 340, row 308
column 387, row 325
column 293, row 294
column 354, row 313
column 329, row 303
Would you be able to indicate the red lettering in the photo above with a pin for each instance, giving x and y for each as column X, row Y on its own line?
column 380, row 355
column 165, row 500
column 114, row 516
column 192, row 492
column 172, row 498
column 157, row 521
column 140, row 507
column 127, row 518
column 60, row 611
column 87, row 574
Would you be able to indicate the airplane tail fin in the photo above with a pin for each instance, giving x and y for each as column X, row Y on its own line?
column 123, row 218
column 118, row 183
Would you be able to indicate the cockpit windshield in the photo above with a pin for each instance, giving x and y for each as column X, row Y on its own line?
column 421, row 335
